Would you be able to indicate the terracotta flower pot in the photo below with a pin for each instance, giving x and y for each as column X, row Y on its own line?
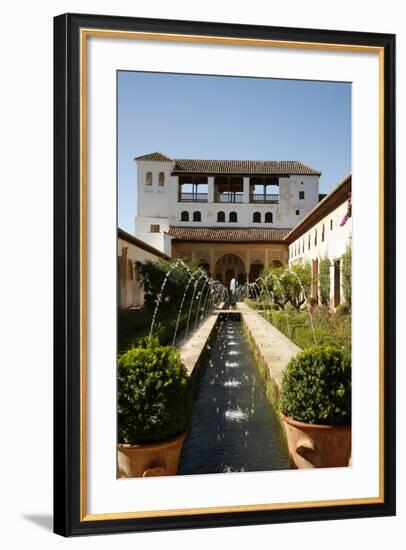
column 151, row 459
column 317, row 445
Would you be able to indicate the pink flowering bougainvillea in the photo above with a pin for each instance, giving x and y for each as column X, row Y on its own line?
column 348, row 213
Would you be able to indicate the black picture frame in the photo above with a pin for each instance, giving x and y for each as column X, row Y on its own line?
column 67, row 354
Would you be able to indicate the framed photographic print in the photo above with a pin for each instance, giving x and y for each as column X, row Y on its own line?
column 224, row 274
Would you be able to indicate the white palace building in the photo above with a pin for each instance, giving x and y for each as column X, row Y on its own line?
column 235, row 217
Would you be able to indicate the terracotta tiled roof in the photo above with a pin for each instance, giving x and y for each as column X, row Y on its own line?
column 260, row 167
column 264, row 167
column 227, row 234
column 157, row 156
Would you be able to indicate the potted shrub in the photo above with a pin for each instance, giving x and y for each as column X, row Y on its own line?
column 154, row 410
column 315, row 403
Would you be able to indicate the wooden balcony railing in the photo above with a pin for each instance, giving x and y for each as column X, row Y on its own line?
column 193, row 197
column 229, row 197
column 264, row 199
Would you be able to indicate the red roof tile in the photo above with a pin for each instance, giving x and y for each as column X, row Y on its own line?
column 227, row 234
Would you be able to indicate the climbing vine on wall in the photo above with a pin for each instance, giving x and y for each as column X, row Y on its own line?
column 346, row 271
column 324, row 281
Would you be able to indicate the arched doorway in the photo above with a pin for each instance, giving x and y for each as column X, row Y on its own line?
column 255, row 270
column 203, row 264
column 230, row 266
column 229, row 276
column 241, row 278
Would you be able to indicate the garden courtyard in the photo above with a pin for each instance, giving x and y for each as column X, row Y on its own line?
column 230, row 379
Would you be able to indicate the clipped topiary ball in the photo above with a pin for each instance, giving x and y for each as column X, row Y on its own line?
column 154, row 394
column 316, row 387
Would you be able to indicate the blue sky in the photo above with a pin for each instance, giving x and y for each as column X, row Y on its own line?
column 215, row 117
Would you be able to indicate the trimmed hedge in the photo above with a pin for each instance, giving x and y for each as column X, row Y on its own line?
column 134, row 324
column 154, row 394
column 316, row 387
column 330, row 328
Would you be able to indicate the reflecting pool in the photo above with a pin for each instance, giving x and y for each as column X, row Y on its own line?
column 234, row 427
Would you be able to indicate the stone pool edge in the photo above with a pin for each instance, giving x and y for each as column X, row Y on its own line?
column 272, row 349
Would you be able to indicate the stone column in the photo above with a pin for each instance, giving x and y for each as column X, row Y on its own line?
column 247, row 263
column 210, row 188
column 246, row 190
column 212, row 264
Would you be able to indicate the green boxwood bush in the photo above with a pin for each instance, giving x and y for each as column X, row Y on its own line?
column 316, row 387
column 154, row 394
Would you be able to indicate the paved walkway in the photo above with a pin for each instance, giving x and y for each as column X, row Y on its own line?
column 273, row 347
column 192, row 349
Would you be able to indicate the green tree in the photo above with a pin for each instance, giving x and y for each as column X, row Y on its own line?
column 297, row 282
column 153, row 275
column 347, row 273
column 289, row 284
column 324, row 281
column 274, row 286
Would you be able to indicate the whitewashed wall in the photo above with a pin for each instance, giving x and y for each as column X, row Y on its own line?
column 130, row 292
column 336, row 238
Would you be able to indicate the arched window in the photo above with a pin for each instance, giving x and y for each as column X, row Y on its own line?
column 197, row 217
column 233, row 217
column 256, row 218
column 161, row 179
column 148, row 178
column 269, row 217
column 276, row 263
column 184, row 217
column 221, row 217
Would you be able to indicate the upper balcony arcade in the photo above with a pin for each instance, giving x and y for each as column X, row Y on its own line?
column 228, row 189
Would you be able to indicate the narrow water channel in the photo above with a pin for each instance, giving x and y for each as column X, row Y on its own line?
column 234, row 427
